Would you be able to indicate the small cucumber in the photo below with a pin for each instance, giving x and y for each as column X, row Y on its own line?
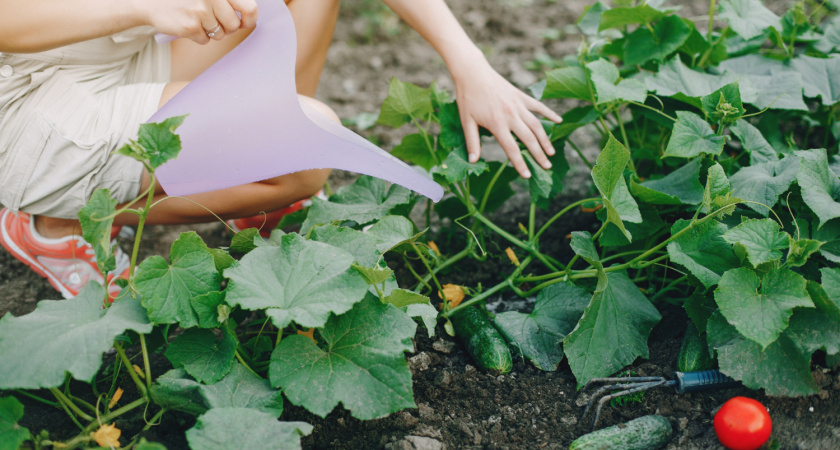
column 694, row 353
column 645, row 433
column 482, row 340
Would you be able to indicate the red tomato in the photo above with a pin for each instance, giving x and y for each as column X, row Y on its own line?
column 743, row 424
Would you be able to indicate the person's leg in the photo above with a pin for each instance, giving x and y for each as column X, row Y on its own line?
column 314, row 23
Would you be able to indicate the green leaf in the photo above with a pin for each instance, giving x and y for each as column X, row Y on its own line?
column 405, row 101
column 451, row 131
column 766, row 82
column 456, row 167
column 613, row 331
column 693, row 136
column 539, row 335
column 748, row 18
column 608, row 175
column 642, row 46
column 167, row 288
column 243, row 241
column 544, row 184
column 780, row 369
column 820, row 77
column 364, row 201
column 699, row 307
column 800, row 251
column 724, row 105
column 401, row 298
column 226, row 428
column 703, row 251
column 205, row 357
column 588, row 22
column 206, row 307
column 572, row 120
column 831, row 284
column 392, row 231
column 813, row 330
column 414, row 150
column 567, row 82
column 717, row 185
column 753, row 142
column 301, row 281
column 359, row 362
column 221, row 258
column 238, row 389
column 583, row 246
column 604, row 76
column 759, row 308
column 621, row 17
column 676, row 80
column 374, row 275
column 426, row 312
column 760, row 185
column 12, row 435
column 67, row 336
column 98, row 232
column 360, row 245
column 820, row 186
column 680, row 187
column 762, row 239
column 156, row 143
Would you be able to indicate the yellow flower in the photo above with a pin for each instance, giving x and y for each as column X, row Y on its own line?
column 512, row 256
column 309, row 333
column 117, row 395
column 434, row 248
column 107, row 436
column 454, row 294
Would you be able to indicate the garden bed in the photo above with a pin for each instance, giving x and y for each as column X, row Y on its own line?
column 460, row 406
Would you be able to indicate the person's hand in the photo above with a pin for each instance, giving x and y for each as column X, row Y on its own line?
column 197, row 19
column 488, row 100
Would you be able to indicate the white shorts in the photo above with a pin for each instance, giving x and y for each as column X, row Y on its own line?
column 62, row 114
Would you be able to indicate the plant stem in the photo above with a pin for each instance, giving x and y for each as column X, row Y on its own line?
column 448, row 262
column 561, row 213
column 36, row 398
column 580, row 154
column 146, row 366
column 130, row 369
column 711, row 21
column 667, row 288
column 480, row 297
column 532, row 213
column 428, row 267
column 244, row 364
column 624, row 138
column 140, row 224
column 420, row 279
column 67, row 403
column 490, row 186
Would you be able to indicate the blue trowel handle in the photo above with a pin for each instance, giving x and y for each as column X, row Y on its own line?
column 702, row 380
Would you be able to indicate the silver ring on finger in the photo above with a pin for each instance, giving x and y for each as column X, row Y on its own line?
column 211, row 34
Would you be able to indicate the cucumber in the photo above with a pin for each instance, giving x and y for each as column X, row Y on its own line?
column 645, row 433
column 482, row 340
column 694, row 353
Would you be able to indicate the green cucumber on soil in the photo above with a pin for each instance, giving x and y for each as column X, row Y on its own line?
column 482, row 340
column 645, row 433
column 694, row 353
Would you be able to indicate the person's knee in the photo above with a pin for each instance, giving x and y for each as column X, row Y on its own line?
column 320, row 107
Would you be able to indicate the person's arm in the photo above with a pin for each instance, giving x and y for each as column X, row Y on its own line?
column 28, row 26
column 484, row 97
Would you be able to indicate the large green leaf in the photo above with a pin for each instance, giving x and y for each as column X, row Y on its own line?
column 717, row 188
column 680, row 187
column 414, row 149
column 238, row 389
column 567, row 82
column 12, row 435
column 392, row 231
column 227, row 428
column 702, row 250
column 67, row 336
column 762, row 239
column 608, row 88
column 539, row 335
column 623, row 16
column 405, row 101
column 820, row 186
column 782, row 368
column 359, row 362
column 613, row 331
column 760, row 185
column 820, row 77
column 360, row 245
column 97, row 232
column 831, row 284
column 364, row 201
column 589, row 21
column 753, row 142
column 545, row 185
column 204, row 356
column 759, row 308
column 456, row 167
column 166, row 288
column 692, row 136
column 668, row 35
column 748, row 18
column 608, row 175
column 675, row 79
column 301, row 281
column 156, row 142
column 766, row 82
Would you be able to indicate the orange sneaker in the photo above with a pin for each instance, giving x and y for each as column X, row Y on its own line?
column 269, row 221
column 67, row 263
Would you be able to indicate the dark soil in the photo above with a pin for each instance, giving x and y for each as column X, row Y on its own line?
column 458, row 405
